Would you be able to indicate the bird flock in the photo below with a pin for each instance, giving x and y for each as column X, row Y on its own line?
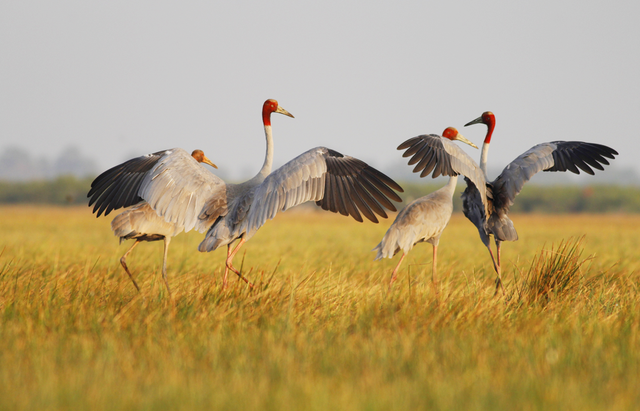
column 170, row 191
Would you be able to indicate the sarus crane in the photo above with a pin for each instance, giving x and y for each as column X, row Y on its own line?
column 142, row 223
column 230, row 212
column 424, row 219
column 552, row 156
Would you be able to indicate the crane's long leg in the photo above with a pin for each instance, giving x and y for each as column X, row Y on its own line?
column 435, row 265
column 229, row 264
column 123, row 261
column 167, row 240
column 498, row 268
column 226, row 268
column 395, row 271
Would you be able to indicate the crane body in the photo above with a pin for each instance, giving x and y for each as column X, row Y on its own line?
column 141, row 223
column 554, row 156
column 425, row 219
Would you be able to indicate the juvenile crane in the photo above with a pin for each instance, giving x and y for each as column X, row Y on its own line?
column 425, row 219
column 141, row 222
column 231, row 212
column 552, row 156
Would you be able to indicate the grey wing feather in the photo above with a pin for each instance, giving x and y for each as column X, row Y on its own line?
column 442, row 156
column 118, row 187
column 177, row 188
column 337, row 183
column 298, row 181
column 474, row 211
column 174, row 184
column 552, row 156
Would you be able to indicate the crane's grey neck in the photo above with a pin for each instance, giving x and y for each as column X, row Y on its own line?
column 483, row 160
column 268, row 161
column 451, row 185
column 268, row 157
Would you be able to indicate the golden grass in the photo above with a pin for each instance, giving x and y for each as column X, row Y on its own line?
column 320, row 331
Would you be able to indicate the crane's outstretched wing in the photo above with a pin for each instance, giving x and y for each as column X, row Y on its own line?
column 171, row 181
column 434, row 153
column 335, row 182
column 118, row 186
column 553, row 156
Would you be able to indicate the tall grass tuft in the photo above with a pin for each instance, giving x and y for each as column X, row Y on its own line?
column 553, row 273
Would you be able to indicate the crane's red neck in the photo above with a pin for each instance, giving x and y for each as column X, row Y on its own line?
column 490, row 120
column 269, row 107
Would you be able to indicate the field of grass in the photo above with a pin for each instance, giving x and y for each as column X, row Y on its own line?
column 320, row 331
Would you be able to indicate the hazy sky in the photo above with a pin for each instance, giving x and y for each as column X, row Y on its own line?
column 119, row 79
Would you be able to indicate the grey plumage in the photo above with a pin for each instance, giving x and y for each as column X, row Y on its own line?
column 572, row 156
column 130, row 183
column 425, row 219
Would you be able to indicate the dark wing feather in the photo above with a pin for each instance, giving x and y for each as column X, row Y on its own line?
column 429, row 152
column 337, row 183
column 172, row 182
column 474, row 211
column 441, row 156
column 553, row 156
column 118, row 187
column 373, row 187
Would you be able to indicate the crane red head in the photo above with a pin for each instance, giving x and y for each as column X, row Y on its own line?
column 486, row 118
column 452, row 134
column 271, row 106
column 201, row 158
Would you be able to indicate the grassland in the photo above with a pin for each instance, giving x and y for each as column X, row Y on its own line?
column 320, row 331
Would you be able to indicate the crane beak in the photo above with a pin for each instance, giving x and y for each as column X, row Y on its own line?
column 283, row 111
column 207, row 161
column 462, row 138
column 476, row 121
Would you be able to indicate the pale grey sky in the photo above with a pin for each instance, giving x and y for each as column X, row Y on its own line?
column 124, row 78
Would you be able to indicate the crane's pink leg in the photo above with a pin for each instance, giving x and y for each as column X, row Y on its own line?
column 496, row 267
column 229, row 265
column 395, row 271
column 226, row 268
column 435, row 265
column 498, row 270
column 123, row 261
column 167, row 240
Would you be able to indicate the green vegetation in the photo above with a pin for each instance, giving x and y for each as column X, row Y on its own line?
column 554, row 199
column 320, row 331
column 533, row 198
column 62, row 190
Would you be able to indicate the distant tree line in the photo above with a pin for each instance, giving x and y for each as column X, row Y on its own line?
column 62, row 190
column 533, row 198
column 554, row 199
